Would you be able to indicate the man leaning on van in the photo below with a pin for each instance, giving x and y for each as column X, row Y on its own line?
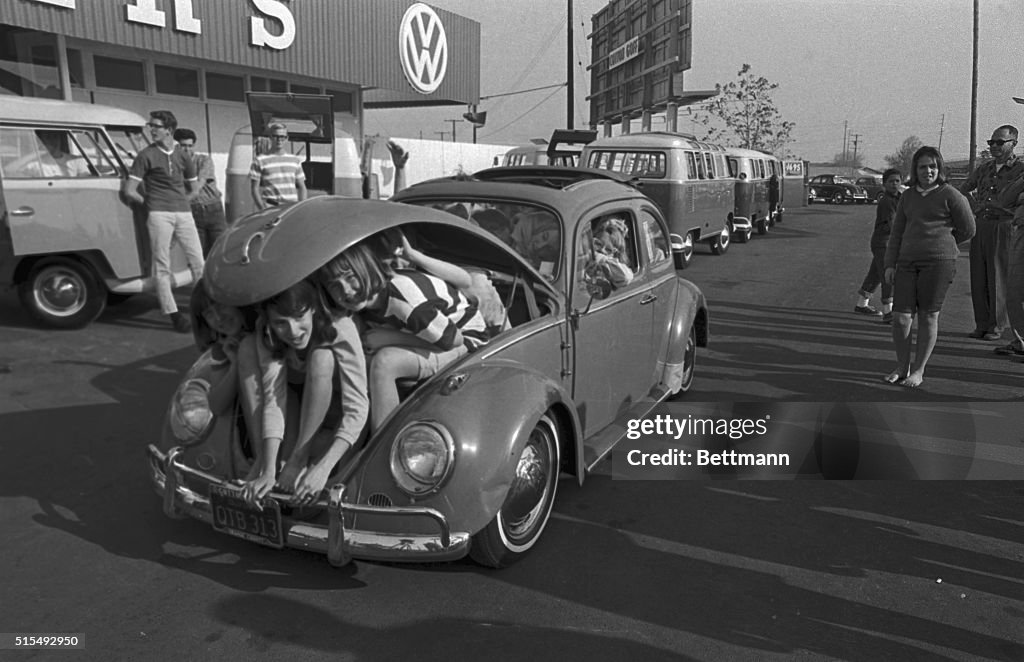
column 169, row 178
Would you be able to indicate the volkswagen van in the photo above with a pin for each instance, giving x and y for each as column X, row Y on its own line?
column 753, row 171
column 68, row 243
column 686, row 177
column 331, row 158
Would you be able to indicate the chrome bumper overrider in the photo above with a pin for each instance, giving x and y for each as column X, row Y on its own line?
column 340, row 545
column 741, row 223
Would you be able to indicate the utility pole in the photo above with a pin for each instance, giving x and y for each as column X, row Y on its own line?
column 974, row 94
column 442, row 134
column 568, row 71
column 845, row 123
column 453, row 127
column 856, row 139
column 942, row 125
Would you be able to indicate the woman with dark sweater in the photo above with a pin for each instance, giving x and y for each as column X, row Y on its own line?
column 931, row 218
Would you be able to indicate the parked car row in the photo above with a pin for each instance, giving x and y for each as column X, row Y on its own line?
column 838, row 190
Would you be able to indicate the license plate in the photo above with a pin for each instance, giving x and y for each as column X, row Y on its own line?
column 232, row 515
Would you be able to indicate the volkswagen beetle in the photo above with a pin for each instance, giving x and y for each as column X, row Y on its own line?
column 469, row 462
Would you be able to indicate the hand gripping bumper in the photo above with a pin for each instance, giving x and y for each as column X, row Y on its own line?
column 337, row 541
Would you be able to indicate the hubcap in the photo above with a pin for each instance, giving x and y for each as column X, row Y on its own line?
column 530, row 495
column 60, row 292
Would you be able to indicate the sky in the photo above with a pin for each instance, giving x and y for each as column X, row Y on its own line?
column 886, row 69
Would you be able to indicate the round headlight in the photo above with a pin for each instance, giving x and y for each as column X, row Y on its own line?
column 422, row 457
column 190, row 416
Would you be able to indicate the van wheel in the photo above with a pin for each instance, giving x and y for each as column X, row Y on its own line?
column 517, row 526
column 720, row 244
column 742, row 237
column 62, row 293
column 682, row 258
column 762, row 226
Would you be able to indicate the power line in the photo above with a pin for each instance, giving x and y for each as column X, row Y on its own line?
column 498, row 130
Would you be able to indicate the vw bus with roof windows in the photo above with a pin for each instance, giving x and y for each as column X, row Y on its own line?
column 331, row 159
column 68, row 243
column 756, row 204
column 562, row 150
column 688, row 178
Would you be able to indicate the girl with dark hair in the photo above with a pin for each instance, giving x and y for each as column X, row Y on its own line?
column 301, row 345
column 931, row 218
column 421, row 322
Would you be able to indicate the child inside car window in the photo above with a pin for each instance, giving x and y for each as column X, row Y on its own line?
column 610, row 250
column 422, row 322
column 302, row 346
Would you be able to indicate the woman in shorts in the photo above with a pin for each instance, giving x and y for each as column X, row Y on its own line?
column 931, row 218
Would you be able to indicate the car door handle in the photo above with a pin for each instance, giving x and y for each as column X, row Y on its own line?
column 23, row 211
column 650, row 298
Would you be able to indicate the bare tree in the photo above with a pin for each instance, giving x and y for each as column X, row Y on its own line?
column 848, row 160
column 744, row 115
column 903, row 158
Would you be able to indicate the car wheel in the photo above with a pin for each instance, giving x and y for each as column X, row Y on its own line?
column 762, row 226
column 837, row 198
column 689, row 364
column 778, row 216
column 62, row 293
column 742, row 237
column 878, row 198
column 684, row 256
column 517, row 526
column 720, row 244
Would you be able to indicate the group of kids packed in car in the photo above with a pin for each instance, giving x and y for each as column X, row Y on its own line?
column 379, row 312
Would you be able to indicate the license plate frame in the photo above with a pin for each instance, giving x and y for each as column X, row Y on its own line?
column 234, row 516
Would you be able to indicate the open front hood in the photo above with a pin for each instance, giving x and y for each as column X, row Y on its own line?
column 271, row 250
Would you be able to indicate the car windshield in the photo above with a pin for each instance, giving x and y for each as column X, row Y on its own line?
column 532, row 231
column 843, row 180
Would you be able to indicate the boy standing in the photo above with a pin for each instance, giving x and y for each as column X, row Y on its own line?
column 891, row 180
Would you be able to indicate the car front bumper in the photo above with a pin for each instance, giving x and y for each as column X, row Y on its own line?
column 337, row 541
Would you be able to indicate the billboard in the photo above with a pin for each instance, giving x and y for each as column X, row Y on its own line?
column 639, row 51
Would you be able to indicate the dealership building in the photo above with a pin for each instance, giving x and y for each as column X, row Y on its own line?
column 198, row 58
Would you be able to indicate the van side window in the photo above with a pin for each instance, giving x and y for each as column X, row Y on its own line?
column 691, row 166
column 709, row 161
column 701, row 172
column 41, row 154
column 733, row 168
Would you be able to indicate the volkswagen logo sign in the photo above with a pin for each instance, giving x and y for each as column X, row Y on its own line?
column 424, row 48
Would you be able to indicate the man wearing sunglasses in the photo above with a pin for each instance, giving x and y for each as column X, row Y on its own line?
column 996, row 185
column 168, row 176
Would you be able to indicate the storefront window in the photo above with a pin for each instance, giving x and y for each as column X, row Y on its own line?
column 224, row 87
column 261, row 84
column 175, row 80
column 119, row 74
column 28, row 63
column 341, row 101
column 304, row 89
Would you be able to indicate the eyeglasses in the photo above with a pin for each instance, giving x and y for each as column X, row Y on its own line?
column 154, row 126
column 999, row 142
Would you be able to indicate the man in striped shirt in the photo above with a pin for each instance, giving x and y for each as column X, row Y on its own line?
column 276, row 178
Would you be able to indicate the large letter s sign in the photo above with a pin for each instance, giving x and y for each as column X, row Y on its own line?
column 263, row 37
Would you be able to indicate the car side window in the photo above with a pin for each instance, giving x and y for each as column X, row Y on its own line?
column 606, row 256
column 655, row 239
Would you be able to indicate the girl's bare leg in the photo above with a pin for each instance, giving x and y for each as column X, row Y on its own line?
column 902, row 338
column 388, row 365
column 927, row 335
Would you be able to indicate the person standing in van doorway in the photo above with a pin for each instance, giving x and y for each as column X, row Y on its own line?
column 168, row 175
column 207, row 207
column 996, row 183
column 276, row 178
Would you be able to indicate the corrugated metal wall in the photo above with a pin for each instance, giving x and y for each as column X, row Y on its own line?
column 350, row 41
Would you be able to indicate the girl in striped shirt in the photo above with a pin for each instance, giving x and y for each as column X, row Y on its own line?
column 419, row 322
